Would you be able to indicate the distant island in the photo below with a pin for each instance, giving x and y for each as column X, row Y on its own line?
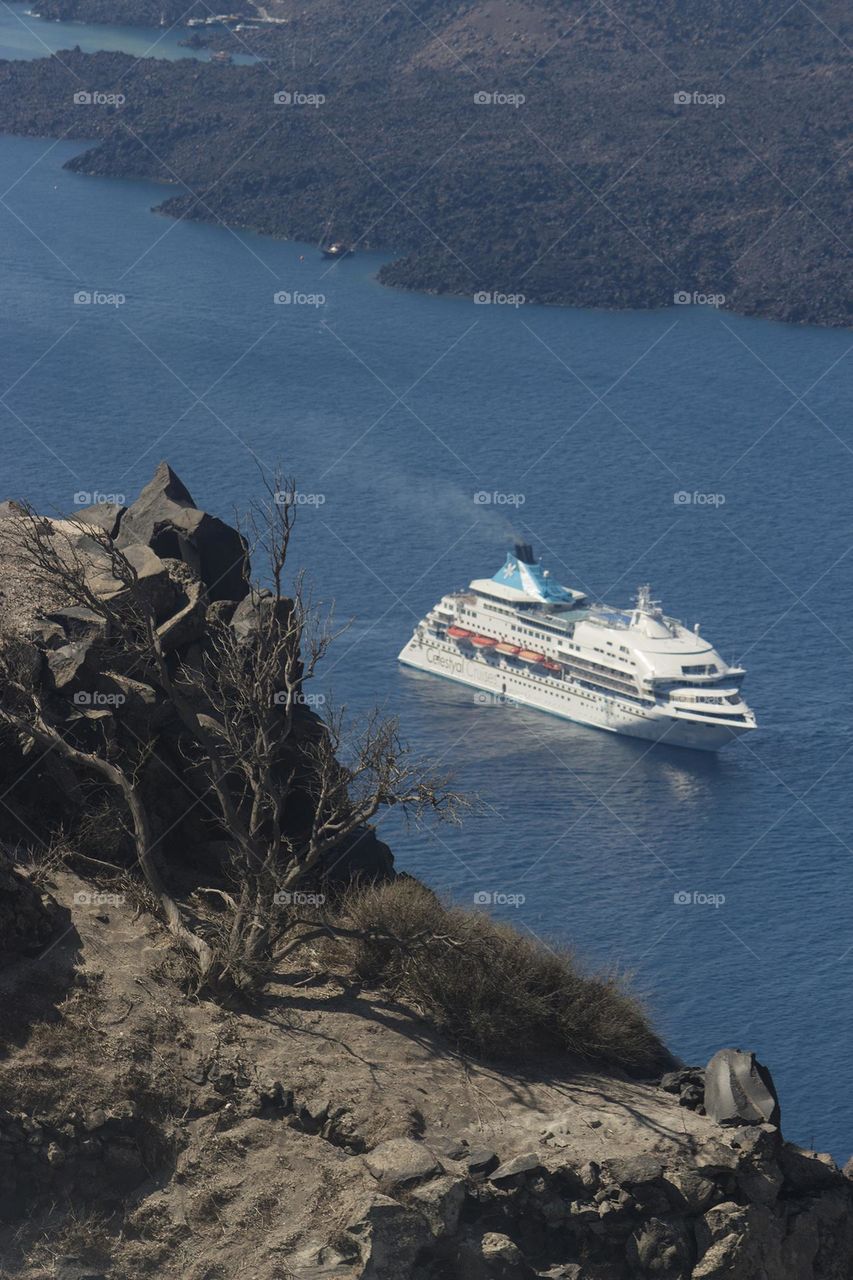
column 629, row 157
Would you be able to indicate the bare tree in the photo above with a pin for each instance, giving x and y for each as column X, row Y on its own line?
column 238, row 701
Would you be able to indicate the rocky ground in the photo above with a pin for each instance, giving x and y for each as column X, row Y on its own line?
column 309, row 1124
column 327, row 1132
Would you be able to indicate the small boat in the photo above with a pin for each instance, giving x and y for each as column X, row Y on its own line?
column 551, row 666
column 483, row 642
column 459, row 633
column 528, row 655
column 336, row 250
column 221, row 56
column 511, row 650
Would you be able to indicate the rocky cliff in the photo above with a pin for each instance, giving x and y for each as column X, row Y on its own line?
column 322, row 1124
column 329, row 1132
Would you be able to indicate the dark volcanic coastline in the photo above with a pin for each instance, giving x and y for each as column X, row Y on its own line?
column 600, row 189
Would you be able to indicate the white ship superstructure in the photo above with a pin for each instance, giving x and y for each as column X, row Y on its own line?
column 521, row 637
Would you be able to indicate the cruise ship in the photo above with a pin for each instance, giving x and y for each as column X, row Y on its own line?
column 523, row 639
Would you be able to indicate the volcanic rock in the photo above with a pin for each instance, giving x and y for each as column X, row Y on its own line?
column 739, row 1090
column 165, row 517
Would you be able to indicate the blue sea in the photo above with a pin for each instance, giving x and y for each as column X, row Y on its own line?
column 707, row 454
column 24, row 34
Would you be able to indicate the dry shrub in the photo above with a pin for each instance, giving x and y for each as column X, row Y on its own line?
column 490, row 988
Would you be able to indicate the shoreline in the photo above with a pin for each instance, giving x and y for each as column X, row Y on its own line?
column 490, row 218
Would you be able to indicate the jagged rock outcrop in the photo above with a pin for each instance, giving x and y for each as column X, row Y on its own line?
column 165, row 518
column 192, row 569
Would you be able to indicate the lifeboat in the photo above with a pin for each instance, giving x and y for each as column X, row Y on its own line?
column 552, row 666
column 459, row 633
column 483, row 642
column 511, row 650
column 529, row 655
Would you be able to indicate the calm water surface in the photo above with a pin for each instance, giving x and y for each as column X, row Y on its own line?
column 393, row 411
column 25, row 35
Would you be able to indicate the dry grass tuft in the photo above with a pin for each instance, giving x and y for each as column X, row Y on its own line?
column 489, row 988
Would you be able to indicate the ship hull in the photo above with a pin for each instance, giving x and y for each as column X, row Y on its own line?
column 515, row 686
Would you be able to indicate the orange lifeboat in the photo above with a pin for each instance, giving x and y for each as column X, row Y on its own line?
column 511, row 650
column 483, row 642
column 552, row 666
column 529, row 655
column 459, row 633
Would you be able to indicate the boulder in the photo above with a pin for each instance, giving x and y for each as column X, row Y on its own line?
column 739, row 1090
column 741, row 1242
column 675, row 1081
column 165, row 517
column 10, row 509
column 511, row 1172
column 480, row 1161
column 689, row 1084
column 401, row 1162
column 714, row 1157
column 689, row 1192
column 388, row 1237
column 220, row 612
column 73, row 665
column 105, row 516
column 662, row 1248
column 78, row 622
column 76, row 661
column 126, row 695
column 154, row 579
column 493, row 1256
column 808, row 1171
column 758, row 1174
column 440, row 1201
column 253, row 613
column 633, row 1171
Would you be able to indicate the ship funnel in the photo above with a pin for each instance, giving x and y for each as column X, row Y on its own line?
column 524, row 552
